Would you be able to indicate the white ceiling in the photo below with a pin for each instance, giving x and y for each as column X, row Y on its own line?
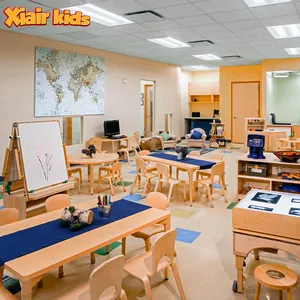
column 234, row 29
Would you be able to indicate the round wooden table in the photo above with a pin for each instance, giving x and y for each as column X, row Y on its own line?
column 98, row 159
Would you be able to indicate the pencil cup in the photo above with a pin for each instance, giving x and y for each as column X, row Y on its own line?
column 104, row 211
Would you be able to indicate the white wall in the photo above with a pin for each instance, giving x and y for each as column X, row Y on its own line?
column 283, row 98
column 185, row 78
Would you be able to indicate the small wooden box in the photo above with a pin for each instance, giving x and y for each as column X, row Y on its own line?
column 257, row 169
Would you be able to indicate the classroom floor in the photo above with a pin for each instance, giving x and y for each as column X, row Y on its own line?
column 204, row 252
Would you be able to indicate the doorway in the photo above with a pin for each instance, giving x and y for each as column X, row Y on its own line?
column 147, row 107
column 245, row 103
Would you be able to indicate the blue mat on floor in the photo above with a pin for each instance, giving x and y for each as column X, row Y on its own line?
column 38, row 237
column 186, row 236
column 203, row 164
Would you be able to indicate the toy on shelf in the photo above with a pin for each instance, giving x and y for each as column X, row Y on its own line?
column 256, row 143
column 217, row 134
column 289, row 176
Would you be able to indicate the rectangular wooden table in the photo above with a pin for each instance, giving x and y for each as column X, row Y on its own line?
column 265, row 220
column 180, row 164
column 29, row 269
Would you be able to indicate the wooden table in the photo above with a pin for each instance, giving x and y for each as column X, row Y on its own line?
column 29, row 269
column 98, row 159
column 177, row 164
column 113, row 142
column 293, row 143
column 256, row 229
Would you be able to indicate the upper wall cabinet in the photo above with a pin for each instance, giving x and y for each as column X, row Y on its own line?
column 204, row 88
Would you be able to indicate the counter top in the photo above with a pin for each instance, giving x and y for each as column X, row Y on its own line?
column 201, row 118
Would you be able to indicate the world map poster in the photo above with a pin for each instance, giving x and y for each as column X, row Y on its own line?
column 68, row 84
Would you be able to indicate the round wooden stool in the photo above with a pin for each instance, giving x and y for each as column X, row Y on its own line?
column 275, row 277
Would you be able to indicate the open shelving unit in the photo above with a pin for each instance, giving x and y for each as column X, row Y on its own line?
column 269, row 182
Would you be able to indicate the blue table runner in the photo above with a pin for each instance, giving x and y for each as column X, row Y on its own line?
column 32, row 239
column 203, row 164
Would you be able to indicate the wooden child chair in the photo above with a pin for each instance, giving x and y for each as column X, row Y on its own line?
column 8, row 215
column 56, row 202
column 216, row 175
column 155, row 200
column 164, row 177
column 105, row 283
column 146, row 265
column 141, row 171
column 131, row 144
column 97, row 142
column 137, row 136
column 150, row 167
column 178, row 169
column 112, row 175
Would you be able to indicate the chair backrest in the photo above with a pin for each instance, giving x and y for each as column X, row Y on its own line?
column 66, row 156
column 131, row 143
column 116, row 169
column 157, row 200
column 97, row 142
column 217, row 156
column 141, row 167
column 57, row 201
column 137, row 136
column 144, row 153
column 198, row 129
column 218, row 169
column 8, row 215
column 164, row 246
column 107, row 275
column 195, row 153
column 163, row 171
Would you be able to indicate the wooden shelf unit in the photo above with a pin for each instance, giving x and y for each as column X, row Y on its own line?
column 271, row 181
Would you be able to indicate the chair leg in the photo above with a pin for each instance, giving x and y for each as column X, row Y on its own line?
column 111, row 187
column 146, row 187
column 128, row 157
column 177, row 173
column 124, row 246
column 61, row 272
column 40, row 283
column 134, row 183
column 78, row 185
column 279, row 295
column 99, row 180
column 107, row 249
column 167, row 273
column 208, row 189
column 156, row 186
column 80, row 175
column 139, row 181
column 123, row 295
column 178, row 281
column 257, row 291
column 223, row 190
column 147, row 286
column 288, row 295
column 170, row 194
column 147, row 245
column 93, row 259
column 184, row 190
column 122, row 181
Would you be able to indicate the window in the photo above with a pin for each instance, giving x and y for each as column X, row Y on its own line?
column 72, row 130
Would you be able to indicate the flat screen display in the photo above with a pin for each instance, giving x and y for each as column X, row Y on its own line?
column 111, row 127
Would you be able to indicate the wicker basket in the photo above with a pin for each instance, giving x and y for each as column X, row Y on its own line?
column 151, row 144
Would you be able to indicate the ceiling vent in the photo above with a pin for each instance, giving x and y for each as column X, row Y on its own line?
column 144, row 16
column 201, row 42
column 231, row 57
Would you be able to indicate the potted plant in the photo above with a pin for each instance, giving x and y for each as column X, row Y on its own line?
column 292, row 137
column 182, row 152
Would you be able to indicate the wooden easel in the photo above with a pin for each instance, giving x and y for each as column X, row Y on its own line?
column 15, row 192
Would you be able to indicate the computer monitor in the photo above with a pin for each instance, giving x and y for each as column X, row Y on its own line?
column 111, row 127
column 195, row 114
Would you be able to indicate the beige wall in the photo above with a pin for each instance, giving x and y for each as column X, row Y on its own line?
column 227, row 76
column 185, row 78
column 206, row 76
column 122, row 101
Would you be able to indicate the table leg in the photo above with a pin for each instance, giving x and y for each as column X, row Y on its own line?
column 170, row 170
column 91, row 168
column 191, row 186
column 113, row 147
column 26, row 287
column 239, row 264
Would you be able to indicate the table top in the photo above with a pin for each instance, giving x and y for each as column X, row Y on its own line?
column 289, row 140
column 99, row 158
column 39, row 262
column 178, row 163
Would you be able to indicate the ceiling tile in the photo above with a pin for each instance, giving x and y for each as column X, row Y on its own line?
column 57, row 3
column 161, row 25
column 242, row 25
column 272, row 52
column 184, row 34
column 291, row 19
column 269, row 11
column 194, row 21
column 216, row 35
column 222, row 41
column 121, row 7
column 124, row 38
column 179, row 11
column 238, row 15
column 144, row 18
column 259, row 38
column 79, row 35
column 161, row 3
column 215, row 6
column 289, row 43
column 59, row 37
column 250, row 32
column 101, row 30
column 133, row 28
column 208, row 28
column 23, row 3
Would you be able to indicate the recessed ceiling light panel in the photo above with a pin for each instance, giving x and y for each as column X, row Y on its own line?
column 207, row 56
column 197, row 68
column 169, row 42
column 285, row 31
column 100, row 15
column 253, row 3
column 292, row 51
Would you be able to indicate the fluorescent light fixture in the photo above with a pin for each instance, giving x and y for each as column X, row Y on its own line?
column 285, row 31
column 292, row 51
column 100, row 15
column 253, row 3
column 196, row 68
column 208, row 56
column 281, row 74
column 169, row 42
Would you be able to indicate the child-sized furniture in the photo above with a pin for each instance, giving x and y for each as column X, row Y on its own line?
column 164, row 177
column 217, row 132
column 8, row 215
column 196, row 142
column 146, row 265
column 178, row 169
column 112, row 175
column 170, row 143
column 131, row 146
column 276, row 277
column 141, row 171
column 105, row 278
column 216, row 175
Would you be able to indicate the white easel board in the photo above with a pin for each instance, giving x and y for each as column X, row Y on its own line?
column 42, row 154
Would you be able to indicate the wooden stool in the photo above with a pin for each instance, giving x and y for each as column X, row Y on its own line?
column 275, row 277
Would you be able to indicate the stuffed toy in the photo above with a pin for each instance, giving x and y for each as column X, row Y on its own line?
column 90, row 151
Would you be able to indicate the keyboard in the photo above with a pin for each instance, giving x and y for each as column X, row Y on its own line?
column 117, row 137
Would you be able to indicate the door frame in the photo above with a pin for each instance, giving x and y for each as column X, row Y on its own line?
column 231, row 103
column 145, row 106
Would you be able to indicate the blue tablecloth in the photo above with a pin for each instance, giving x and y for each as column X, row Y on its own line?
column 203, row 164
column 29, row 240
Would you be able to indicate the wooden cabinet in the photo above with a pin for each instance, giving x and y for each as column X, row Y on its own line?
column 204, row 88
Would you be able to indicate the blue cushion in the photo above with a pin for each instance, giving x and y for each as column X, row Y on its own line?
column 196, row 135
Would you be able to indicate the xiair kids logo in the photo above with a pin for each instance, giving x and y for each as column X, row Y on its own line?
column 19, row 17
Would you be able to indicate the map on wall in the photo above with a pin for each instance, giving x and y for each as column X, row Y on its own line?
column 68, row 84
